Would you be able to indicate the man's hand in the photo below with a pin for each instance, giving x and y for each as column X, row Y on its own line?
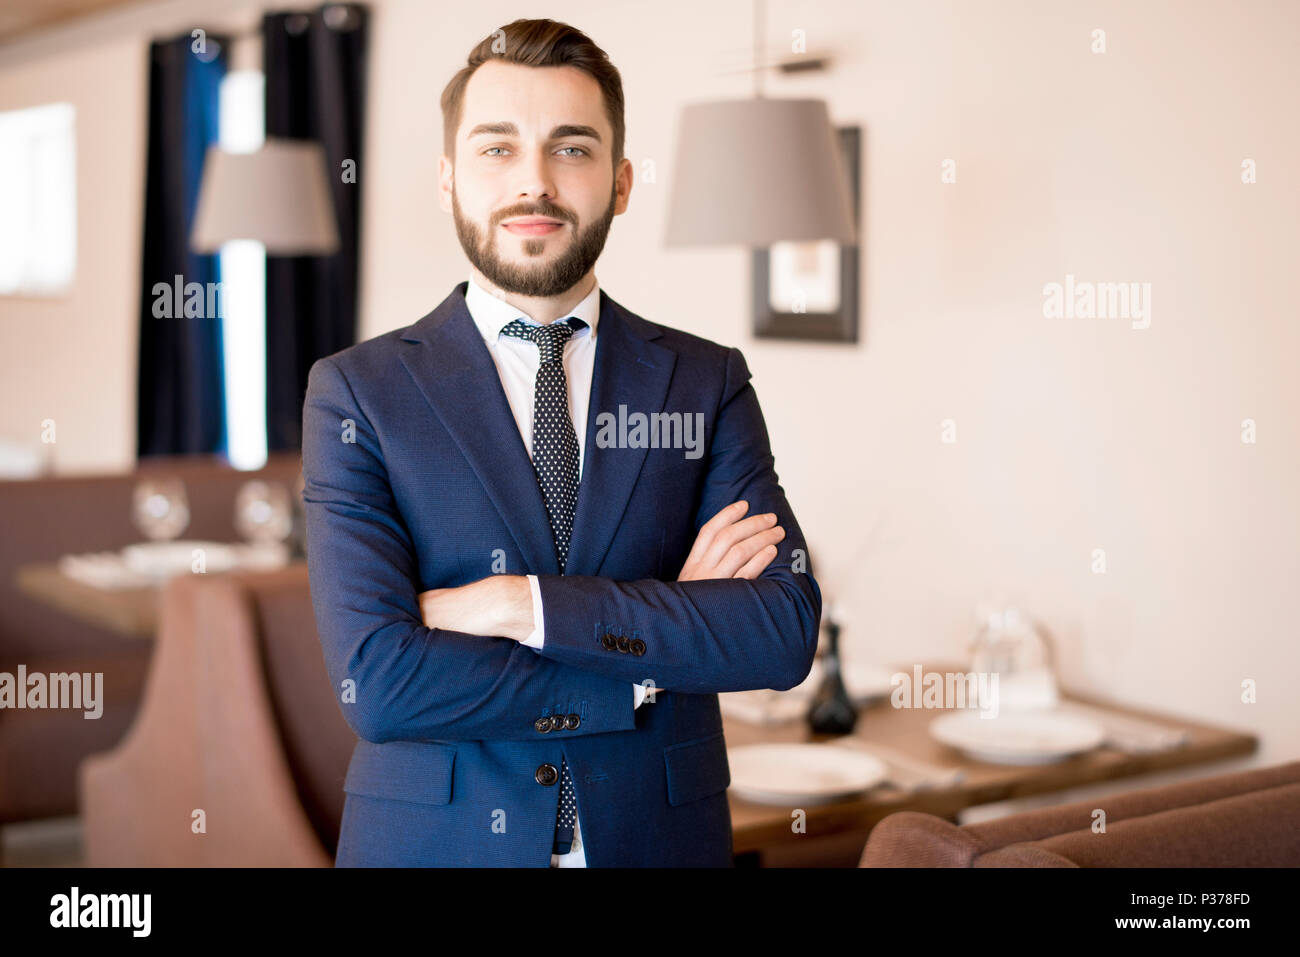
column 728, row 546
column 496, row 606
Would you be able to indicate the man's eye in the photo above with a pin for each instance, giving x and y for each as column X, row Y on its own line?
column 579, row 149
column 491, row 148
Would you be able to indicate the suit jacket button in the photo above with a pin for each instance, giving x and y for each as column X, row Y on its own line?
column 623, row 644
column 608, row 641
column 556, row 721
column 547, row 775
column 571, row 722
column 638, row 646
column 542, row 724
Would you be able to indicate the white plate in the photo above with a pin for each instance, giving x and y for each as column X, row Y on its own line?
column 801, row 774
column 1028, row 737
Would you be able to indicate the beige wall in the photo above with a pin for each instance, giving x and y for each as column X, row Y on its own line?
column 73, row 359
column 1072, row 434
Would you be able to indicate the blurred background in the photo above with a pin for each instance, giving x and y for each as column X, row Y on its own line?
column 952, row 451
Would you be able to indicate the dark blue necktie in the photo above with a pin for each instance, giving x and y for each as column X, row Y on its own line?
column 555, row 462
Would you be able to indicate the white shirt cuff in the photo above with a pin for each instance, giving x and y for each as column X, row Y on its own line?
column 640, row 691
column 538, row 636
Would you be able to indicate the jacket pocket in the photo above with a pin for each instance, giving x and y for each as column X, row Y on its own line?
column 696, row 768
column 415, row 771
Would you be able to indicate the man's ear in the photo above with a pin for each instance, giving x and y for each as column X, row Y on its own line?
column 622, row 185
column 446, row 172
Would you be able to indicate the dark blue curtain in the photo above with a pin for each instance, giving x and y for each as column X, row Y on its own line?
column 180, row 395
column 315, row 66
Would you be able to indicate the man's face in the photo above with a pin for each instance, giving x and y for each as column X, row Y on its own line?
column 534, row 143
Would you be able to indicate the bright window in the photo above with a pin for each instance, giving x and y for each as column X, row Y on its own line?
column 38, row 200
column 243, row 280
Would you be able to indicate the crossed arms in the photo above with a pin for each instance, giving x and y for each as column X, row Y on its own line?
column 448, row 665
column 728, row 546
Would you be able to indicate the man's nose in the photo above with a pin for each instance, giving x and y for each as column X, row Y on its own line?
column 536, row 180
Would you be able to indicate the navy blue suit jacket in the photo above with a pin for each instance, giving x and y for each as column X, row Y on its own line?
column 417, row 478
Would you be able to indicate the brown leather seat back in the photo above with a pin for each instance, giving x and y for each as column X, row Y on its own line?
column 1244, row 819
column 239, row 728
column 317, row 740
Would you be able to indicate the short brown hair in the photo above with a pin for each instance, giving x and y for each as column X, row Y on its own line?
column 537, row 43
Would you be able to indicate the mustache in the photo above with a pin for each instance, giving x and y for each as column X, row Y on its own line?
column 551, row 212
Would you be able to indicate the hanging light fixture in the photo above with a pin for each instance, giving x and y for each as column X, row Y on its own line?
column 278, row 195
column 758, row 171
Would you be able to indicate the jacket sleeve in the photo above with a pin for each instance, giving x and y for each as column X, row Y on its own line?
column 411, row 682
column 702, row 636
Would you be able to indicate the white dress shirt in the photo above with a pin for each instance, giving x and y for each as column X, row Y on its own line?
column 517, row 362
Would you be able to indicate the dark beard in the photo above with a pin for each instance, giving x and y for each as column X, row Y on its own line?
column 541, row 281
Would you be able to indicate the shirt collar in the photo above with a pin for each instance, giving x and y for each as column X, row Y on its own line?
column 491, row 314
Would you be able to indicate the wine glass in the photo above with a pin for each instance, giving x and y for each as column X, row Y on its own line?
column 263, row 513
column 1018, row 650
column 160, row 508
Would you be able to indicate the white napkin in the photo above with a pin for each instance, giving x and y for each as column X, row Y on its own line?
column 151, row 563
column 905, row 773
column 1127, row 734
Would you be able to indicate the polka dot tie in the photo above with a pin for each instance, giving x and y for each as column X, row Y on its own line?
column 555, row 461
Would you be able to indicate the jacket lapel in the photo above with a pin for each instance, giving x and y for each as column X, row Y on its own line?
column 633, row 371
column 452, row 368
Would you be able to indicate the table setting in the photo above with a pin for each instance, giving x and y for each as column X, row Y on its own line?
column 265, row 516
column 1017, row 718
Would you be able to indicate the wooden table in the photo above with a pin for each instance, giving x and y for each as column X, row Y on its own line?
column 132, row 612
column 836, row 833
column 128, row 611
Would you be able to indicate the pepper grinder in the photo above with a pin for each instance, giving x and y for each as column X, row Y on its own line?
column 831, row 711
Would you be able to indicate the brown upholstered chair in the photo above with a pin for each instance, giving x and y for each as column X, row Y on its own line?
column 238, row 720
column 1246, row 819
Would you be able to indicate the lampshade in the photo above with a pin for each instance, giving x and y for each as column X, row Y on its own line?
column 756, row 172
column 278, row 195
